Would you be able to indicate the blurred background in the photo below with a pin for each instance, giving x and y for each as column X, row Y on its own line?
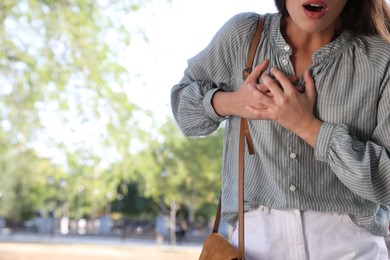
column 88, row 146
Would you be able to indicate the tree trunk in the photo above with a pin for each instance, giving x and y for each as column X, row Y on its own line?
column 172, row 221
column 191, row 215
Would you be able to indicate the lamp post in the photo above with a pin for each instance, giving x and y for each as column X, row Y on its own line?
column 50, row 183
column 51, row 207
column 164, row 176
column 63, row 184
column 64, row 222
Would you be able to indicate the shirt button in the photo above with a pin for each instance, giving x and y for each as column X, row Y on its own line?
column 286, row 47
column 293, row 155
column 285, row 62
column 293, row 188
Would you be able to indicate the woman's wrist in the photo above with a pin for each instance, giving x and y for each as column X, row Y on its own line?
column 221, row 103
column 310, row 131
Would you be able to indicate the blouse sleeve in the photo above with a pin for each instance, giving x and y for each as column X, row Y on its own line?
column 210, row 71
column 364, row 167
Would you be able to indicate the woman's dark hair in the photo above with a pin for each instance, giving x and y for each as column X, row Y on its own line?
column 364, row 16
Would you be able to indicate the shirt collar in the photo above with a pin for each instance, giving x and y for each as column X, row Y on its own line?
column 324, row 53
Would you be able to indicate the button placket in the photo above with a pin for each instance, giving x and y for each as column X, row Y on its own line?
column 284, row 59
column 292, row 156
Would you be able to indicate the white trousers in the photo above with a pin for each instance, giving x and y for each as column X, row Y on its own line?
column 307, row 235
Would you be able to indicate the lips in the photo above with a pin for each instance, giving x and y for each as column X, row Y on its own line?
column 314, row 9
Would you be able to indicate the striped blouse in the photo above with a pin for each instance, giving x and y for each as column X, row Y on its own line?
column 348, row 172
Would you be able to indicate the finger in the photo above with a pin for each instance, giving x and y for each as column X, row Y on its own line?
column 258, row 71
column 258, row 113
column 263, row 88
column 272, row 85
column 310, row 87
column 292, row 79
column 284, row 81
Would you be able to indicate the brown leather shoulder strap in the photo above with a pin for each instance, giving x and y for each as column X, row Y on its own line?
column 253, row 47
column 244, row 135
column 218, row 216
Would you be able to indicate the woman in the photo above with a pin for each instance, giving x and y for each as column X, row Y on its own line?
column 318, row 185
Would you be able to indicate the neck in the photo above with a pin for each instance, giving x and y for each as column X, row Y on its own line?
column 307, row 41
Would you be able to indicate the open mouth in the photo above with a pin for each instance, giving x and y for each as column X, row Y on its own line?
column 314, row 7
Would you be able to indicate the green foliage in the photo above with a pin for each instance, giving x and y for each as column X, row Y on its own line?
column 23, row 182
column 61, row 70
column 183, row 170
column 61, row 65
column 135, row 204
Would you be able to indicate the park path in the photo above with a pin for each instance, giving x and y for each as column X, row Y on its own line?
column 31, row 251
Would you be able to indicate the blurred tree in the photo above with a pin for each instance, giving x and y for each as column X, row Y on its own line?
column 22, row 191
column 202, row 159
column 137, row 207
column 61, row 69
column 177, row 171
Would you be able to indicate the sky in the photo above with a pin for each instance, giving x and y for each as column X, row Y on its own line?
column 176, row 32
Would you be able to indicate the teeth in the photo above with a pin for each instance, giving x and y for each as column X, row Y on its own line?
column 314, row 7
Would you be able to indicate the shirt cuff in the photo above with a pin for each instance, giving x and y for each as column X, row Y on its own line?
column 323, row 141
column 208, row 107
